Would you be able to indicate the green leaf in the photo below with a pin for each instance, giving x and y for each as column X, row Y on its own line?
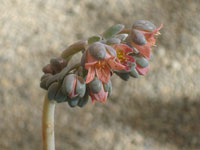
column 113, row 31
column 123, row 76
column 122, row 37
column 93, row 39
column 143, row 62
column 52, row 90
column 60, row 97
column 68, row 84
column 95, row 86
column 108, row 88
column 83, row 101
column 73, row 102
column 113, row 41
column 97, row 50
column 80, row 87
column 134, row 72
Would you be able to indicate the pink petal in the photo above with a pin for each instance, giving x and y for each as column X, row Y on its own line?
column 73, row 93
column 128, row 69
column 149, row 36
column 93, row 98
column 101, row 96
column 88, row 65
column 127, row 49
column 108, row 56
column 105, row 98
column 124, row 48
column 144, row 50
column 151, row 41
column 130, row 58
column 159, row 28
column 90, row 75
column 103, row 74
column 142, row 71
column 115, row 65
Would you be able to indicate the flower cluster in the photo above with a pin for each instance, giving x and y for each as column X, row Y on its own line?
column 119, row 51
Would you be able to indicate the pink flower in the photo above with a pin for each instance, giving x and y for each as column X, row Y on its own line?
column 145, row 50
column 101, row 96
column 100, row 59
column 122, row 54
column 99, row 91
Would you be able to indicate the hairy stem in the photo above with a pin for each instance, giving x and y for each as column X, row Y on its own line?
column 48, row 124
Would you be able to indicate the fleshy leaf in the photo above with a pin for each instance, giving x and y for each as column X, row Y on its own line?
column 108, row 87
column 95, row 86
column 84, row 100
column 80, row 87
column 52, row 90
column 52, row 79
column 93, row 39
column 134, row 72
column 68, row 85
column 144, row 25
column 143, row 62
column 113, row 31
column 122, row 37
column 123, row 76
column 97, row 50
column 47, row 69
column 113, row 41
column 60, row 97
column 47, row 75
column 73, row 102
column 138, row 37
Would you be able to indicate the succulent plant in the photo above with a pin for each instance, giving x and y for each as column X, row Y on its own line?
column 118, row 50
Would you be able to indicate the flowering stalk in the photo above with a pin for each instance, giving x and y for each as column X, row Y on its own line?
column 48, row 124
column 49, row 105
column 122, row 51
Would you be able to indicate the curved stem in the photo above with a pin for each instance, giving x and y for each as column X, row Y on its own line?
column 74, row 48
column 49, row 106
column 48, row 124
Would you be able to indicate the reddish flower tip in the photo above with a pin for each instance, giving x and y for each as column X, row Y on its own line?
column 142, row 71
column 145, row 50
column 97, row 92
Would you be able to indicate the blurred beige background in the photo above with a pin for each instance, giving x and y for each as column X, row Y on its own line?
column 157, row 112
